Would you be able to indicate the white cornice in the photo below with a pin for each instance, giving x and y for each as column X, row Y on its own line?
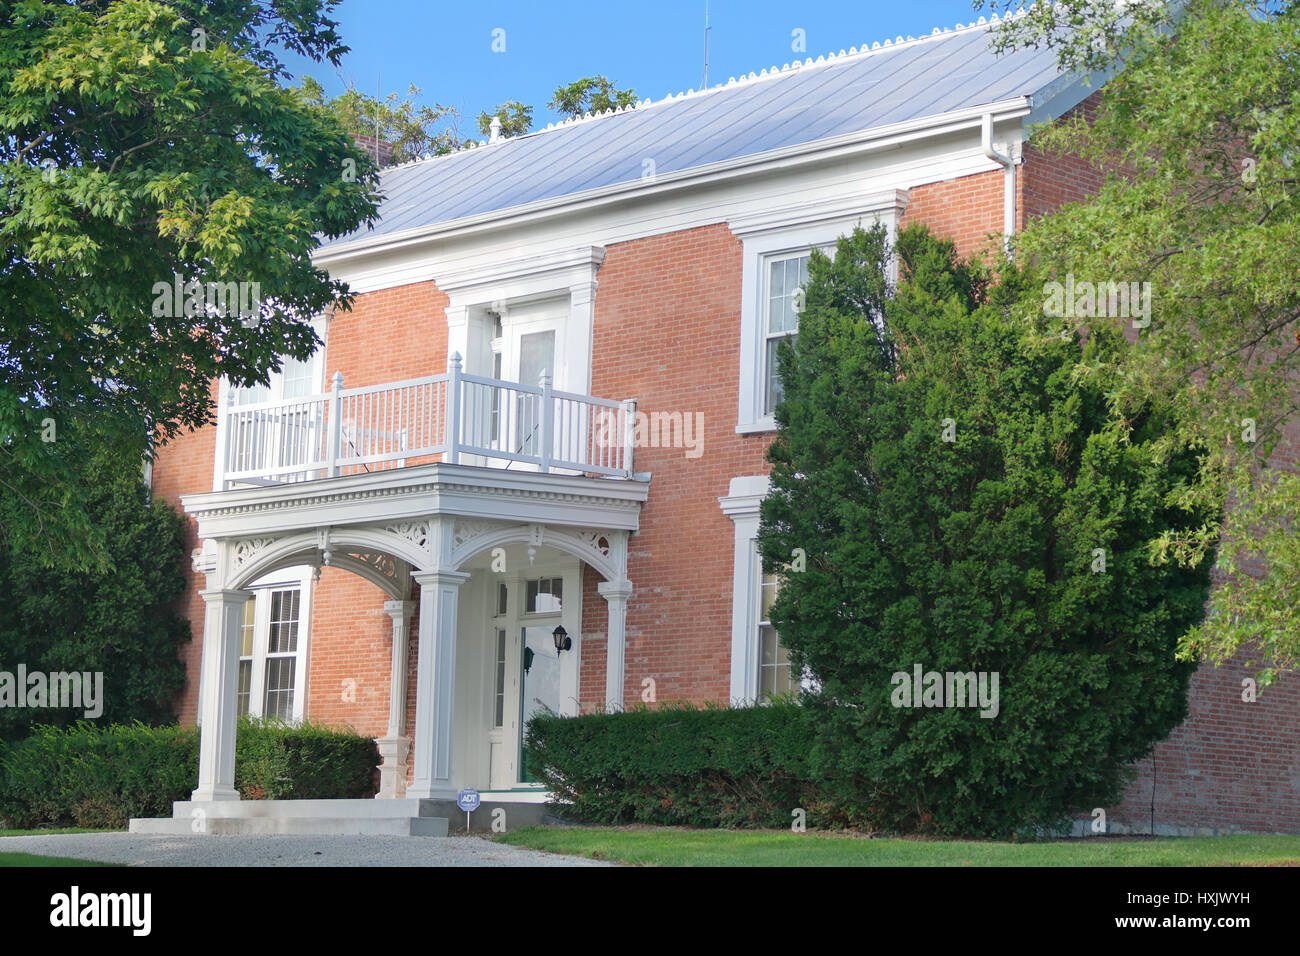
column 422, row 490
column 804, row 214
column 565, row 268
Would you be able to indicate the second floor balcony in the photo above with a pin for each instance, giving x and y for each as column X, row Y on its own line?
column 452, row 417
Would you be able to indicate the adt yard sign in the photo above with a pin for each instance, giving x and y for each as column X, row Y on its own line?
column 468, row 800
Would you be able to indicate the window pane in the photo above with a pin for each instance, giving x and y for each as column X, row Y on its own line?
column 279, row 687
column 297, row 377
column 502, row 595
column 768, row 596
column 244, row 686
column 283, row 638
column 774, row 389
column 544, row 596
column 499, row 718
column 252, row 394
column 536, row 354
column 246, row 628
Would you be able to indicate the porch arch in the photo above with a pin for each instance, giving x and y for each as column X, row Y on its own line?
column 302, row 547
column 607, row 560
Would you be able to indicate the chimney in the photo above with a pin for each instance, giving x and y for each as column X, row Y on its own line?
column 495, row 129
column 378, row 150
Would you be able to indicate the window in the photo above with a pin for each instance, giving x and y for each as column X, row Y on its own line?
column 281, row 654
column 271, row 658
column 786, row 277
column 773, row 659
column 777, row 245
column 499, row 711
column 544, row 596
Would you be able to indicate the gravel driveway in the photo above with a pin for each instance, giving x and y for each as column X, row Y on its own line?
column 136, row 849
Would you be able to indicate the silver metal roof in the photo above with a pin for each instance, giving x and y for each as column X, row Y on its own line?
column 860, row 91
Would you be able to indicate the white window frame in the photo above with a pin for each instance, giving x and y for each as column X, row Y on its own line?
column 296, row 578
column 775, row 236
column 741, row 505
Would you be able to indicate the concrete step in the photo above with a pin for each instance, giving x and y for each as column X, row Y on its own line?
column 299, row 825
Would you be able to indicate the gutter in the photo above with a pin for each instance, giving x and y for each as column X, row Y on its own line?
column 1008, row 164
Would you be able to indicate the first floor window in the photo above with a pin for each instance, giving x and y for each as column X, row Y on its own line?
column 271, row 654
column 774, row 675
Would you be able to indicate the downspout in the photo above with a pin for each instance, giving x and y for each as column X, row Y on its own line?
column 1008, row 164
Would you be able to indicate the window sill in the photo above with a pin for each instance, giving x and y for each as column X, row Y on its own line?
column 767, row 424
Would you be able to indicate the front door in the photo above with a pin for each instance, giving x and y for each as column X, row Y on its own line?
column 529, row 675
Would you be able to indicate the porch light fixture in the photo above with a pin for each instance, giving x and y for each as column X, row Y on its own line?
column 562, row 640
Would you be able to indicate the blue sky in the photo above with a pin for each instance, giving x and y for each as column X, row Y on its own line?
column 654, row 48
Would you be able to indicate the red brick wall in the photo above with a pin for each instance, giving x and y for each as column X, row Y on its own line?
column 185, row 467
column 965, row 209
column 667, row 332
column 351, row 640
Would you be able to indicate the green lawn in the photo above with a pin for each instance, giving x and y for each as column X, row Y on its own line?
column 681, row 847
column 27, row 859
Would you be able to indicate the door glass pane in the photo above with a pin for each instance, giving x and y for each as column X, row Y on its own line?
column 536, row 353
column 540, row 685
column 499, row 718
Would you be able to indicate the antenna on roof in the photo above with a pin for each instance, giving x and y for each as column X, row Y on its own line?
column 705, row 85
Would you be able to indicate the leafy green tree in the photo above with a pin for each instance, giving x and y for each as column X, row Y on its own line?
column 963, row 503
column 1197, row 133
column 516, row 119
column 591, row 94
column 147, row 146
column 120, row 621
column 414, row 129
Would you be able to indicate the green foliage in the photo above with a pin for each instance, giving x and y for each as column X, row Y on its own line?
column 591, row 94
column 516, row 119
column 678, row 765
column 975, row 554
column 136, row 149
column 93, row 776
column 414, row 129
column 1197, row 134
column 120, row 621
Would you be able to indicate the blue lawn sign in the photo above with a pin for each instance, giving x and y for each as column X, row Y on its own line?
column 468, row 800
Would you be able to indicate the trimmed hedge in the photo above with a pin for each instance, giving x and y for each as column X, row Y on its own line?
column 681, row 766
column 91, row 776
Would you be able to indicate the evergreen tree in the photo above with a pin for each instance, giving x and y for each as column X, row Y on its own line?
column 966, row 503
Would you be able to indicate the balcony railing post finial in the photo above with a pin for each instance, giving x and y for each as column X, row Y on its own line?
column 548, row 421
column 453, row 409
column 629, row 434
column 334, row 441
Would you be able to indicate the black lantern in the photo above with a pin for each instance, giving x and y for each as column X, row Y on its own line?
column 562, row 640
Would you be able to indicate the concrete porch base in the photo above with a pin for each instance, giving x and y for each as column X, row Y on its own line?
column 302, row 817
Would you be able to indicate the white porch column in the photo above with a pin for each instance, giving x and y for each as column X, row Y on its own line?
column 395, row 746
column 435, row 682
column 615, row 594
column 223, row 615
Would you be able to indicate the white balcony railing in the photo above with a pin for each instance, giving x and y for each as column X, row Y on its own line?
column 351, row 431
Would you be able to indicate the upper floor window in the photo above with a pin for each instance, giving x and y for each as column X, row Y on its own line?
column 296, row 379
column 787, row 276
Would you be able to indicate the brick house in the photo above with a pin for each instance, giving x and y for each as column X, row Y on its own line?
column 549, row 409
